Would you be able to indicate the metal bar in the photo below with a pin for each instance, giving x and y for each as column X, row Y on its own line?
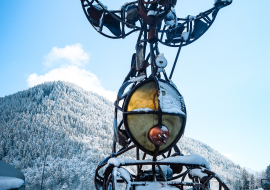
column 162, row 33
column 200, row 16
column 123, row 24
column 169, row 153
column 174, row 183
column 176, row 149
column 165, row 76
column 175, row 28
column 180, row 175
column 125, row 150
column 156, row 48
column 152, row 112
column 121, row 109
column 140, row 36
column 115, row 131
column 207, row 17
column 189, row 36
column 175, row 31
column 152, row 58
column 115, row 17
column 145, row 38
column 102, row 22
column 154, row 172
column 144, row 155
column 135, row 30
column 114, row 146
column 111, row 37
column 114, row 179
column 161, row 172
column 120, row 124
column 175, row 61
column 138, row 158
column 206, row 20
column 140, row 112
column 154, row 165
column 185, row 174
column 148, row 56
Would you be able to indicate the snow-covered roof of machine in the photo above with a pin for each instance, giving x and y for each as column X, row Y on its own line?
column 192, row 159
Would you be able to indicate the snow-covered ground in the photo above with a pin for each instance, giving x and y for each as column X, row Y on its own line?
column 10, row 183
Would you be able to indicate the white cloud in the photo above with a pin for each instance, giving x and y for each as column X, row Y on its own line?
column 74, row 55
column 70, row 71
column 228, row 155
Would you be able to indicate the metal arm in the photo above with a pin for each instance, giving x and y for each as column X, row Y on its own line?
column 98, row 15
column 187, row 30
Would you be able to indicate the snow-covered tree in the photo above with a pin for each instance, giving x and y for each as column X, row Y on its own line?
column 267, row 172
column 245, row 179
column 74, row 128
column 252, row 181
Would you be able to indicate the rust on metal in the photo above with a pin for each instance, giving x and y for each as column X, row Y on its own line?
column 152, row 35
column 150, row 20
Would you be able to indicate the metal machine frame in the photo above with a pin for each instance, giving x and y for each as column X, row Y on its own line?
column 151, row 32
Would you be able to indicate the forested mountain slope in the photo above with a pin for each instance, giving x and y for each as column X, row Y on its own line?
column 73, row 128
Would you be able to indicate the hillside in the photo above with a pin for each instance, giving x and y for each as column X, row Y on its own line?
column 74, row 128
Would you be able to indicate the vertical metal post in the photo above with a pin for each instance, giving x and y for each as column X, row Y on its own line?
column 138, row 158
column 115, row 131
column 152, row 58
column 169, row 153
column 123, row 24
column 153, row 165
column 175, row 61
column 145, row 38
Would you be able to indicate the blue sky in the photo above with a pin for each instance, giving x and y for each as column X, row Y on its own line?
column 224, row 76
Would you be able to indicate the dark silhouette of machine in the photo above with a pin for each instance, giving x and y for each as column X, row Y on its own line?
column 266, row 185
column 11, row 178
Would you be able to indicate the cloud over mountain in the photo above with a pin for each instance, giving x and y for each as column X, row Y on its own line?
column 68, row 65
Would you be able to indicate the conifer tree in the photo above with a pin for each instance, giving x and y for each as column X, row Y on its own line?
column 267, row 172
column 244, row 177
column 252, row 181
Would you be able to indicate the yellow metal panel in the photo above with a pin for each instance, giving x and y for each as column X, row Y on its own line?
column 143, row 97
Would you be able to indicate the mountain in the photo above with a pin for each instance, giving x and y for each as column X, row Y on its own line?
column 227, row 170
column 73, row 128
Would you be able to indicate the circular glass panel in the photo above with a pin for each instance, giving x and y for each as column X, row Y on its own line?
column 169, row 112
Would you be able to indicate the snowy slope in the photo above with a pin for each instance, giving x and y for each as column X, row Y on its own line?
column 74, row 128
column 220, row 164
